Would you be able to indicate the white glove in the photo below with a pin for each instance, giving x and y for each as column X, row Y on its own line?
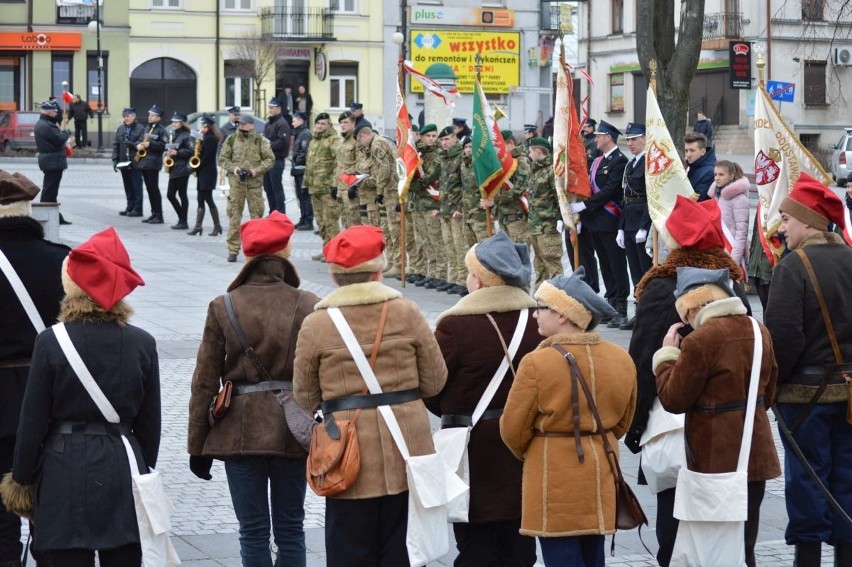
column 649, row 249
column 578, row 207
column 619, row 239
column 641, row 236
column 579, row 227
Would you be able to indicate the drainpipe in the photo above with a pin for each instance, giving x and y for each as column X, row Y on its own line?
column 217, row 57
column 768, row 40
column 30, row 55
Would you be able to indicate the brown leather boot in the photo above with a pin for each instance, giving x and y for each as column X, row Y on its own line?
column 199, row 218
column 217, row 226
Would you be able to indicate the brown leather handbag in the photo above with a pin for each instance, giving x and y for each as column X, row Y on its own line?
column 220, row 404
column 334, row 464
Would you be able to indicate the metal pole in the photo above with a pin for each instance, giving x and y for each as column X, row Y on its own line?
column 100, row 78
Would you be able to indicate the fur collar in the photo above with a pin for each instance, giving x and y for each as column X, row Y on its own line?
column 358, row 294
column 720, row 308
column 27, row 227
column 822, row 238
column 81, row 308
column 712, row 259
column 735, row 188
column 589, row 338
column 266, row 268
column 497, row 299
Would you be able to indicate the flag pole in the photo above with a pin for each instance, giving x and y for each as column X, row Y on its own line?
column 655, row 235
column 576, row 239
column 489, row 231
column 400, row 77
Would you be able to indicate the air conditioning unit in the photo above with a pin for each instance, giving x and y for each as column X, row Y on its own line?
column 843, row 56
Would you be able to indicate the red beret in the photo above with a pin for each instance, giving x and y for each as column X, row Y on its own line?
column 814, row 204
column 266, row 236
column 101, row 267
column 696, row 225
column 360, row 247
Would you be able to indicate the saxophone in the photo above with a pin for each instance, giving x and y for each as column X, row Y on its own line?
column 169, row 162
column 195, row 160
column 143, row 152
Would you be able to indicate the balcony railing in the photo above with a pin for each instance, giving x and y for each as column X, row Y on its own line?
column 295, row 24
column 75, row 14
column 724, row 25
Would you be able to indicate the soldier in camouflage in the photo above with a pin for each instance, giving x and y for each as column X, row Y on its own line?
column 512, row 202
column 475, row 228
column 416, row 267
column 350, row 211
column 424, row 192
column 544, row 212
column 319, row 179
column 246, row 156
column 451, row 157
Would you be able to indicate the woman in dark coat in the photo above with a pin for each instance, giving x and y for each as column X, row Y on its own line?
column 67, row 453
column 207, row 175
column 182, row 149
column 499, row 273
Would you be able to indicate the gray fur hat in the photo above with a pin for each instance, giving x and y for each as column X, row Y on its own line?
column 572, row 297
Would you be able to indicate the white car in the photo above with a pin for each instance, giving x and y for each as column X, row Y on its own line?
column 841, row 159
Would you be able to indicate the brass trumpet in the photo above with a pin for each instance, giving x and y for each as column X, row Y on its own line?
column 169, row 162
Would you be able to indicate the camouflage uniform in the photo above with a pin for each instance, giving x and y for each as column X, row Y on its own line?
column 475, row 228
column 451, row 202
column 349, row 208
column 427, row 227
column 544, row 213
column 380, row 163
column 416, row 257
column 249, row 152
column 320, row 167
column 510, row 211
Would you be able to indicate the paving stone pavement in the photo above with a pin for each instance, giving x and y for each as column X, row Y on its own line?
column 182, row 274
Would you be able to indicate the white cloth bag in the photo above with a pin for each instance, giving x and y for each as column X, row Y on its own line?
column 430, row 484
column 451, row 443
column 154, row 508
column 662, row 448
column 713, row 508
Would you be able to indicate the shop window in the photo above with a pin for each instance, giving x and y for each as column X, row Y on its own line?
column 616, row 92
column 343, row 82
column 815, row 92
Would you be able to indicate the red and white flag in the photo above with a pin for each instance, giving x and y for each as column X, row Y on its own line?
column 448, row 95
column 351, row 179
column 408, row 160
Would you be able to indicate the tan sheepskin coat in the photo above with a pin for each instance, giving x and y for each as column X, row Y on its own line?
column 561, row 496
column 409, row 358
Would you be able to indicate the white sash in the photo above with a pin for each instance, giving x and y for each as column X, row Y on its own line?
column 22, row 293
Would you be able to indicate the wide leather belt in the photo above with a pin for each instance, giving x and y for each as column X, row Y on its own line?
column 466, row 420
column 16, row 363
column 266, row 386
column 362, row 401
column 815, row 374
column 722, row 408
column 537, row 433
column 90, row 428
column 635, row 200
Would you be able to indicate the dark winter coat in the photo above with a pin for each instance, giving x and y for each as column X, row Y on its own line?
column 156, row 146
column 50, row 143
column 635, row 215
column 712, row 367
column 185, row 150
column 300, row 150
column 277, row 131
column 84, row 497
column 705, row 127
column 795, row 321
column 700, row 173
column 208, row 171
column 472, row 352
column 38, row 262
column 608, row 177
column 270, row 309
column 80, row 111
column 125, row 142
column 592, row 150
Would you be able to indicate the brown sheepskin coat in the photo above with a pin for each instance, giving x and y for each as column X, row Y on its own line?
column 561, row 496
column 712, row 367
column 408, row 358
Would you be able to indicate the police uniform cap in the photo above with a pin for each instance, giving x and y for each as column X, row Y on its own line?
column 156, row 110
column 234, row 110
column 274, row 101
column 178, row 117
column 634, row 130
column 459, row 121
column 300, row 115
column 207, row 119
column 356, row 106
column 128, row 110
column 606, row 128
column 530, row 128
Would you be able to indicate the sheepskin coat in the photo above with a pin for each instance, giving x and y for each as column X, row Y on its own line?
column 270, row 309
column 561, row 496
column 711, row 368
column 84, row 496
column 473, row 352
column 733, row 203
column 408, row 358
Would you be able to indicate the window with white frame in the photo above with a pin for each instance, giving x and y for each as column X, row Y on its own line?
column 343, row 5
column 238, row 92
column 343, row 84
column 237, row 5
column 166, row 4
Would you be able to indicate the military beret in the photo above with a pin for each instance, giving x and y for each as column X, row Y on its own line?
column 345, row 115
column 357, row 249
column 539, row 142
column 428, row 128
column 465, row 140
column 322, row 116
column 447, row 131
column 590, row 122
column 507, row 135
column 266, row 235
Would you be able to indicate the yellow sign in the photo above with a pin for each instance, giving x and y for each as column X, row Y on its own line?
column 501, row 59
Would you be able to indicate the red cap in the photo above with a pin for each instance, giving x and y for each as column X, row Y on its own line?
column 266, row 236
column 101, row 267
column 814, row 204
column 361, row 247
column 696, row 225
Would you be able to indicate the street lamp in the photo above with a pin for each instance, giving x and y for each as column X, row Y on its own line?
column 97, row 27
column 399, row 39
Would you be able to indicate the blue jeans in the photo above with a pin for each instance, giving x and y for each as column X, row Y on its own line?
column 826, row 440
column 577, row 551
column 251, row 480
column 273, row 185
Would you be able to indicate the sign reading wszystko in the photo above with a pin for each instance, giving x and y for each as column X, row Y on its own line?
column 501, row 58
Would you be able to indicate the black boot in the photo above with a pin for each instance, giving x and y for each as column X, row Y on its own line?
column 621, row 317
column 607, row 318
column 808, row 554
column 842, row 554
column 14, row 563
column 156, row 218
column 181, row 224
column 199, row 218
column 217, row 227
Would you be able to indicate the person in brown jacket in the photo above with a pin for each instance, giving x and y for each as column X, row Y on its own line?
column 706, row 376
column 568, row 483
column 367, row 523
column 252, row 438
column 498, row 277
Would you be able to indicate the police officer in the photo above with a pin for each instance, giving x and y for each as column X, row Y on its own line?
column 461, row 128
column 544, row 212
column 128, row 136
column 589, row 141
column 320, row 183
column 298, row 162
column 154, row 144
column 346, row 154
column 451, row 157
column 357, row 110
column 233, row 122
column 635, row 222
column 530, row 132
column 599, row 215
column 246, row 156
column 277, row 131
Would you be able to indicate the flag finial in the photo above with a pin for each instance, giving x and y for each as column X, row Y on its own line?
column 652, row 66
column 759, row 50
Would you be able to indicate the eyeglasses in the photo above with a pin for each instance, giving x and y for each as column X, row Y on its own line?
column 541, row 308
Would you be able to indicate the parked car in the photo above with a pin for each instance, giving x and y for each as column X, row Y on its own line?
column 17, row 130
column 221, row 117
column 841, row 158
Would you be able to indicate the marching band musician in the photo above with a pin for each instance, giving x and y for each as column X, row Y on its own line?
column 127, row 137
column 154, row 144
